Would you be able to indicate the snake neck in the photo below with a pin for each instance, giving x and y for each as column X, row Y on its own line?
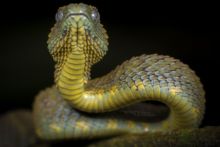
column 74, row 74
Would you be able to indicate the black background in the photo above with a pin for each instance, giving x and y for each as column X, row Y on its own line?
column 183, row 30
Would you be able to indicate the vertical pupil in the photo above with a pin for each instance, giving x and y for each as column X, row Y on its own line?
column 59, row 16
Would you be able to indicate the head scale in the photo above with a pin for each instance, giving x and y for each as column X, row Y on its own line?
column 77, row 27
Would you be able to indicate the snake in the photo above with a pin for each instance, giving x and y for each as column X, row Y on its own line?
column 79, row 107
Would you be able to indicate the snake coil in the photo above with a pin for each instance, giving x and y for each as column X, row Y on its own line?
column 71, row 108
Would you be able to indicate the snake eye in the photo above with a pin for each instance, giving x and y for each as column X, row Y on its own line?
column 59, row 16
column 95, row 15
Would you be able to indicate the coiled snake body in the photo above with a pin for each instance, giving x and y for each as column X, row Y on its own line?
column 72, row 108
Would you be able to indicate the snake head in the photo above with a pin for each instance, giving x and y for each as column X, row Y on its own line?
column 77, row 27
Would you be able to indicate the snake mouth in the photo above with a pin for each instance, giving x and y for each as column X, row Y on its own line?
column 78, row 14
column 80, row 20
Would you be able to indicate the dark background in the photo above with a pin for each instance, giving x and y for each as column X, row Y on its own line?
column 183, row 30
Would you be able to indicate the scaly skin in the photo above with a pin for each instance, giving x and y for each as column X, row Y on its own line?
column 76, row 42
